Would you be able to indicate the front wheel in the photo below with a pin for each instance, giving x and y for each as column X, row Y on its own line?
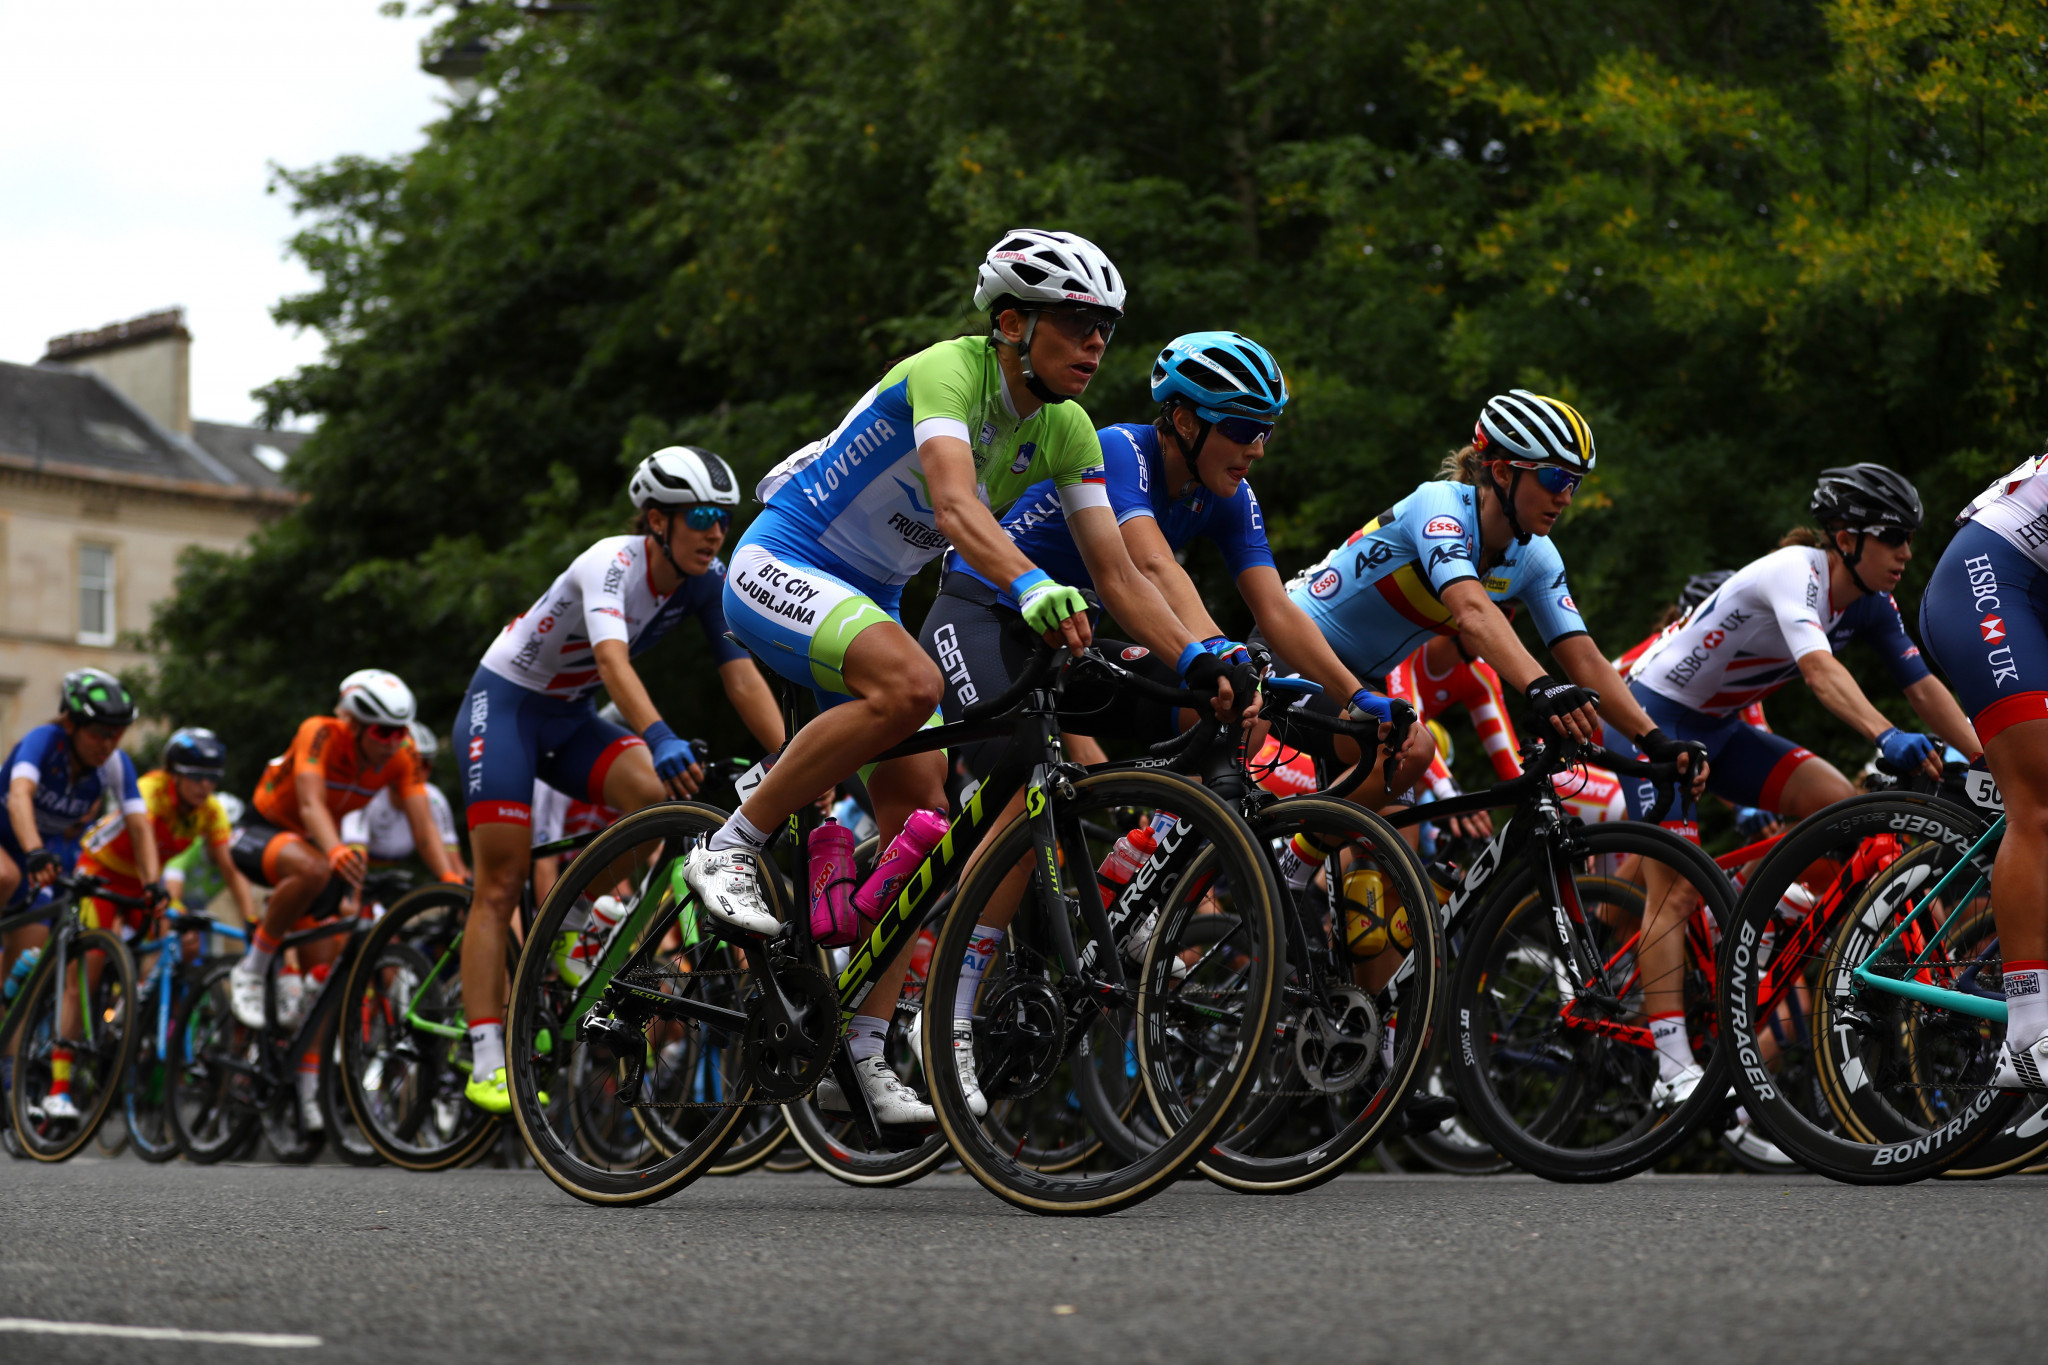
column 1554, row 1057
column 83, row 1055
column 210, row 1076
column 1198, row 1025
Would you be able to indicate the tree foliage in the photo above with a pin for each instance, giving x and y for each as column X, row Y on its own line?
column 1748, row 239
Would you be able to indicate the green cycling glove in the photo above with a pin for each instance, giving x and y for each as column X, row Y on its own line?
column 1045, row 603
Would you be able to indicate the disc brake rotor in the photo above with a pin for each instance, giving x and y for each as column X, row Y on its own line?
column 1024, row 1040
column 1336, row 1043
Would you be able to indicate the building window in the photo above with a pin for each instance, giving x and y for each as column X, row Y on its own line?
column 95, row 595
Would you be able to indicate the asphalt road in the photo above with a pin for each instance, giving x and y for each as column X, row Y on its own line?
column 498, row 1266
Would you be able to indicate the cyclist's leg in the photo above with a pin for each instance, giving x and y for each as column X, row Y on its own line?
column 299, row 876
column 1982, row 622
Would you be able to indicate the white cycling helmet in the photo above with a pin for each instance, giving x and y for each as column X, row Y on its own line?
column 675, row 475
column 232, row 807
column 1520, row 425
column 376, row 697
column 424, row 741
column 1036, row 266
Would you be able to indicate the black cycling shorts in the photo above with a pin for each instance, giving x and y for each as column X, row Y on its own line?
column 981, row 649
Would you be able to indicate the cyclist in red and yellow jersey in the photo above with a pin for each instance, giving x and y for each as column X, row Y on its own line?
column 293, row 843
column 183, row 810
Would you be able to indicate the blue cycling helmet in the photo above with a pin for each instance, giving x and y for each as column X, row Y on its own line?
column 1220, row 375
column 194, row 752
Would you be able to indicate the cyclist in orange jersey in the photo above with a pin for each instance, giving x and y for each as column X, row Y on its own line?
column 292, row 843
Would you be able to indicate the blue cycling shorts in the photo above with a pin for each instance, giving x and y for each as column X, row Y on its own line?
column 799, row 608
column 507, row 735
column 1981, row 623
column 1749, row 767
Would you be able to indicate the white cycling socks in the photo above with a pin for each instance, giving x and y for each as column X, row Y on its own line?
column 2026, row 1002
column 1674, row 1049
column 866, row 1036
column 738, row 832
column 486, row 1048
column 981, row 950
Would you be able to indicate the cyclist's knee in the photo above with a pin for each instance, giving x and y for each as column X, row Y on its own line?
column 910, row 702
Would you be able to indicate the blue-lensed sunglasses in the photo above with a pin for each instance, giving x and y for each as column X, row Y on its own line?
column 1551, row 478
column 703, row 517
column 1244, row 430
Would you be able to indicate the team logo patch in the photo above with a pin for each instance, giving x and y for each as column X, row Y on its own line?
column 1567, row 603
column 1135, row 653
column 1495, row 583
column 1325, row 584
column 988, row 433
column 1993, row 628
column 1024, row 455
column 2022, row 983
column 476, row 749
column 1444, row 526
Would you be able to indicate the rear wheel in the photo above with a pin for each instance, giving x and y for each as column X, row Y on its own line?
column 210, row 1082
column 403, row 1057
column 96, row 1054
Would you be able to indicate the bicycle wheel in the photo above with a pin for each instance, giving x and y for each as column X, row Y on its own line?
column 345, row 1137
column 834, row 1142
column 578, row 1073
column 403, row 1040
column 209, row 1082
column 1198, row 1028
column 760, row 1137
column 1559, row 1072
column 1455, row 1146
column 1903, row 1085
column 97, row 1055
column 1347, row 1047
column 144, row 1111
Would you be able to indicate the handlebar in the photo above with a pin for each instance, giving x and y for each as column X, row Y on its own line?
column 83, row 884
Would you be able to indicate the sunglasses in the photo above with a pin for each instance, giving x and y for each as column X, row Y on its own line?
column 1551, row 478
column 386, row 733
column 1244, row 430
column 1894, row 536
column 1076, row 323
column 703, row 517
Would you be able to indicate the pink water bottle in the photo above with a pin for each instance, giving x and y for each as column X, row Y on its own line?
column 921, row 834
column 833, row 923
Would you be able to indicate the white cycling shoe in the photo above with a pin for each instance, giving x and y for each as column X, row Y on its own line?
column 727, row 885
column 1676, row 1091
column 245, row 991
column 2024, row 1069
column 1744, row 1138
column 963, row 1058
column 310, row 1118
column 889, row 1099
column 58, row 1109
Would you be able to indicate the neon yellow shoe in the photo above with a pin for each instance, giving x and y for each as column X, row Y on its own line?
column 492, row 1095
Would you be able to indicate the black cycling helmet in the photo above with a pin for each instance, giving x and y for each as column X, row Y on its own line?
column 193, row 752
column 91, row 697
column 1866, row 497
column 1701, row 586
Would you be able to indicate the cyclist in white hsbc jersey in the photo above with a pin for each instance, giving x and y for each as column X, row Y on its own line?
column 1779, row 618
column 955, row 430
column 529, row 712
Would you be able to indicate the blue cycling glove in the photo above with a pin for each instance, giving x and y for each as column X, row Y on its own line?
column 1903, row 749
column 1369, row 703
column 672, row 756
column 1229, row 651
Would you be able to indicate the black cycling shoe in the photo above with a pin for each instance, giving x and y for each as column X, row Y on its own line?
column 1424, row 1111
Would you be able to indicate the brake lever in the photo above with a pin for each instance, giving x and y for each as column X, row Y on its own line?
column 1402, row 718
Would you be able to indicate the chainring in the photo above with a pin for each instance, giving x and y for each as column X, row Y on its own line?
column 1023, row 1041
column 1335, row 1045
column 780, row 1070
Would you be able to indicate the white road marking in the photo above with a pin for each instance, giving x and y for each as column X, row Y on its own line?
column 106, row 1329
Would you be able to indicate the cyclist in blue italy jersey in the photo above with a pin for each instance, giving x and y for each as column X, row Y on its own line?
column 57, row 778
column 817, row 580
column 1172, row 481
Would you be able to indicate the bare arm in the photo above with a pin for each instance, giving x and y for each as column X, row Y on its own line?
column 615, row 667
column 310, row 785
column 751, row 696
column 1837, row 690
column 426, row 836
column 1585, row 665
column 1292, row 632
column 1489, row 635
column 21, row 813
column 1936, row 705
column 238, row 885
column 142, row 838
column 961, row 515
column 1133, row 597
column 1153, row 557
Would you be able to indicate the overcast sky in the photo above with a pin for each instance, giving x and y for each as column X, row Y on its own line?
column 135, row 142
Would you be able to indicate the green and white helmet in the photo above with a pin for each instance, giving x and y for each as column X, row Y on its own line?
column 92, row 697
